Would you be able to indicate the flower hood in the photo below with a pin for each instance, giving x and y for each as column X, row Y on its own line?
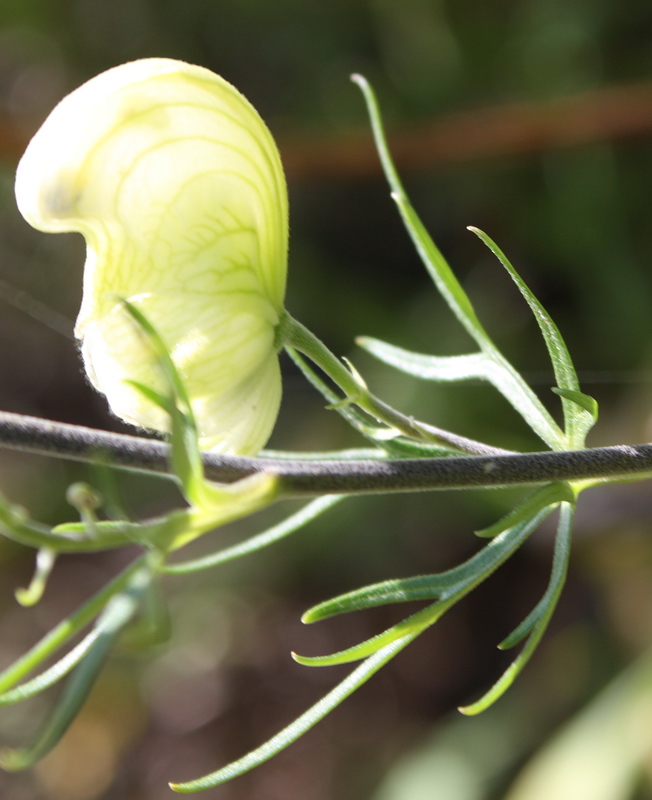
column 177, row 186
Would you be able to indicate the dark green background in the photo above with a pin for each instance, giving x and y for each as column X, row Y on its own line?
column 574, row 218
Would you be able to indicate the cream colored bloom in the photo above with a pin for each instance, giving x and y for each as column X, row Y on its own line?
column 177, row 186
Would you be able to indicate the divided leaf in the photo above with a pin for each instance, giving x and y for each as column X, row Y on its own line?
column 302, row 724
column 447, row 587
column 535, row 624
column 503, row 375
column 580, row 411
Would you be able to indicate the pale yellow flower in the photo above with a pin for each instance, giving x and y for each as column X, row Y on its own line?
column 176, row 184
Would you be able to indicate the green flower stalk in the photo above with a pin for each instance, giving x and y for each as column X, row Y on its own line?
column 177, row 186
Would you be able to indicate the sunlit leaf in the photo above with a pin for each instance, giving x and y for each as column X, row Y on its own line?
column 580, row 413
column 460, row 578
column 260, row 540
column 547, row 495
column 45, row 561
column 54, row 673
column 506, row 378
column 117, row 613
column 301, row 725
column 67, row 628
column 449, row 587
column 537, row 621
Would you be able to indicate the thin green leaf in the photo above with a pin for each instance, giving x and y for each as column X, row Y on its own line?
column 399, row 447
column 544, row 608
column 432, row 258
column 432, row 368
column 153, row 626
column 186, row 456
column 162, row 401
column 53, row 674
column 104, row 527
column 579, row 417
column 449, row 587
column 408, row 448
column 415, row 623
column 441, row 584
column 506, row 380
column 260, row 540
column 45, row 561
column 15, row 525
column 526, row 627
column 537, row 621
column 119, row 610
column 585, row 401
column 559, row 355
column 509, row 381
column 499, row 371
column 548, row 495
column 487, row 366
column 162, row 355
column 355, row 418
column 67, row 628
column 397, row 590
column 301, row 725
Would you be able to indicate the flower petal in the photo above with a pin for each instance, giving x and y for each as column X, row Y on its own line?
column 177, row 186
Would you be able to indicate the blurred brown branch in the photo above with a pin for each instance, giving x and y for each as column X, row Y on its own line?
column 610, row 113
column 12, row 140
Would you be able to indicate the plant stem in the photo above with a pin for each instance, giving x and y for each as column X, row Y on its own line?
column 309, row 477
column 294, row 334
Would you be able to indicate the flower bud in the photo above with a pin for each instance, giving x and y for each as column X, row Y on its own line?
column 177, row 186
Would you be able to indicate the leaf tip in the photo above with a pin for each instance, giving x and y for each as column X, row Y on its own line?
column 314, row 614
column 187, row 788
column 485, row 533
column 25, row 598
column 299, row 659
column 473, row 709
column 12, row 760
column 177, row 787
column 479, row 233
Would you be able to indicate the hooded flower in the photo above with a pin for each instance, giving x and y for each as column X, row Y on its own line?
column 177, row 186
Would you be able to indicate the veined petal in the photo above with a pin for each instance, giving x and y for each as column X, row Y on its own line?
column 177, row 186
column 244, row 418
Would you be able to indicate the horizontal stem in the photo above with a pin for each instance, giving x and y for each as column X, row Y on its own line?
column 313, row 477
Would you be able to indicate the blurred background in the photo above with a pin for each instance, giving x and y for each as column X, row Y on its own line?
column 531, row 119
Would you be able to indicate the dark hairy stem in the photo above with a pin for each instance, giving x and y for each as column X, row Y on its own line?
column 313, row 477
column 408, row 475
